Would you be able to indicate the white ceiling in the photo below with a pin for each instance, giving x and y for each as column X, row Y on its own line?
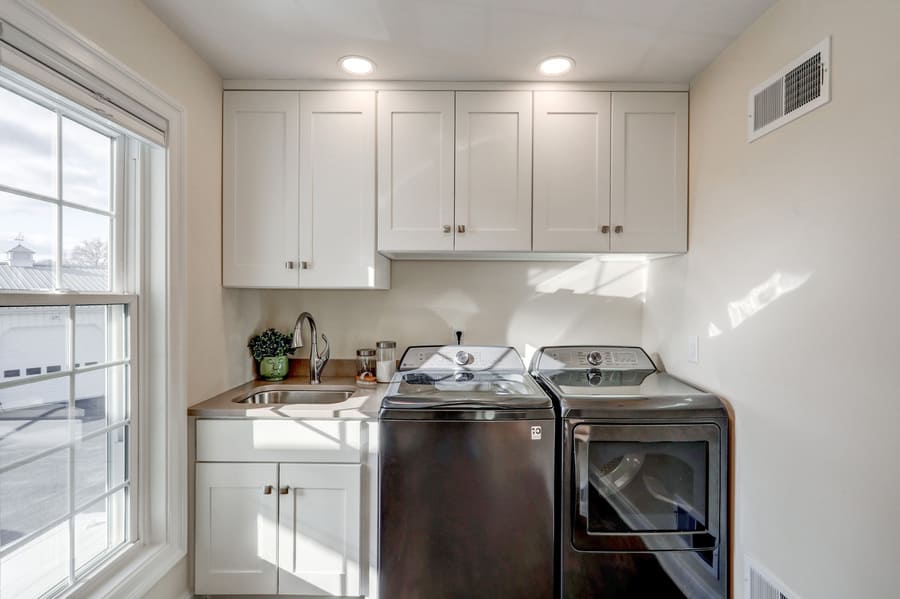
column 460, row 40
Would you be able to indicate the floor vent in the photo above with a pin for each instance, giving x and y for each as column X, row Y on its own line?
column 761, row 584
column 798, row 88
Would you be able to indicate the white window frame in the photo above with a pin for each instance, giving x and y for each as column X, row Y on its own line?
column 161, row 446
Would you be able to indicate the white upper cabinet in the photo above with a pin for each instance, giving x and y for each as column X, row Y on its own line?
column 260, row 174
column 415, row 171
column 337, row 191
column 571, row 171
column 493, row 171
column 299, row 191
column 649, row 170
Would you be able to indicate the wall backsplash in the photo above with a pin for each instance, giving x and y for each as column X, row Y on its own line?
column 524, row 304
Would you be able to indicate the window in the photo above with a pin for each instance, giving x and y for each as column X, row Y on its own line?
column 68, row 319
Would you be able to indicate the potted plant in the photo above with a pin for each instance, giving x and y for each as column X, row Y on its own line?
column 271, row 349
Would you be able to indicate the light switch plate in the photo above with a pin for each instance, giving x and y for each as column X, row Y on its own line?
column 693, row 349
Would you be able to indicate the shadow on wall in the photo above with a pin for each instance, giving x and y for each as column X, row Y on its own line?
column 516, row 303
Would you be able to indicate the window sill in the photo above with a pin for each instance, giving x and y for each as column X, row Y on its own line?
column 131, row 575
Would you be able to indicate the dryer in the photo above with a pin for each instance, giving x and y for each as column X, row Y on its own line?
column 643, row 477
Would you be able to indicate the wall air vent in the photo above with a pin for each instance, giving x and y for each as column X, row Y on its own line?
column 795, row 90
column 761, row 584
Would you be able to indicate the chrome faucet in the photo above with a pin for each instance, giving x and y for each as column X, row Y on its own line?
column 317, row 361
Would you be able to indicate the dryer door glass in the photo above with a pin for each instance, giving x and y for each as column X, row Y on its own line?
column 646, row 487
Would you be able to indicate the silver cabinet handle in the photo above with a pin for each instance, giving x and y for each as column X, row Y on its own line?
column 619, row 228
column 290, row 265
column 284, row 490
column 604, row 229
column 304, row 265
column 447, row 228
column 267, row 490
column 460, row 228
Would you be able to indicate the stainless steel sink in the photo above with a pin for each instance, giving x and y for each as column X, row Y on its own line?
column 300, row 396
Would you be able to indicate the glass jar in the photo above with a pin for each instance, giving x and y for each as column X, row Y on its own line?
column 365, row 367
column 385, row 361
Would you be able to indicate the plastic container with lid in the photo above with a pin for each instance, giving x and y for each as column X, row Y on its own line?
column 385, row 361
column 365, row 367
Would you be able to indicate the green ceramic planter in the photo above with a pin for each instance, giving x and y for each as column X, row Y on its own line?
column 273, row 368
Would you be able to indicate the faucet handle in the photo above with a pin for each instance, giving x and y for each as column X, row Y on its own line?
column 324, row 355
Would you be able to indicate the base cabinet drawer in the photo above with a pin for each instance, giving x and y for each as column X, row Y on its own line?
column 287, row 529
column 279, row 441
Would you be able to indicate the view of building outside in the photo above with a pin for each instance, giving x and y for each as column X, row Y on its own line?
column 59, row 470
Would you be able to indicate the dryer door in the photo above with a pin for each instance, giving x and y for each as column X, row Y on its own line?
column 653, row 487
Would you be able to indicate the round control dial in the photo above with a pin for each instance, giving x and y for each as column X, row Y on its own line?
column 594, row 377
column 463, row 358
column 594, row 358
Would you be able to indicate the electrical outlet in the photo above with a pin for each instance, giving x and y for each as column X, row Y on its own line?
column 693, row 349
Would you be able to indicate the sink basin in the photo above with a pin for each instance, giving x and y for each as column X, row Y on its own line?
column 299, row 396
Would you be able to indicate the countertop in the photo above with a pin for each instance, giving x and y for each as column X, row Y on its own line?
column 362, row 405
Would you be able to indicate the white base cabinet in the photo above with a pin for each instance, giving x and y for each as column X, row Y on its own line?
column 266, row 528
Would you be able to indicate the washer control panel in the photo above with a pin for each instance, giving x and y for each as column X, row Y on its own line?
column 602, row 357
column 461, row 357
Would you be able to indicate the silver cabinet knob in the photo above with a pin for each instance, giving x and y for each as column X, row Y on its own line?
column 460, row 228
column 604, row 229
column 290, row 265
column 619, row 228
column 267, row 490
column 284, row 490
column 304, row 265
column 447, row 228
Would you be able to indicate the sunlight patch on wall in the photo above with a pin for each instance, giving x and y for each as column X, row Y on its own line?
column 762, row 295
column 596, row 277
column 713, row 330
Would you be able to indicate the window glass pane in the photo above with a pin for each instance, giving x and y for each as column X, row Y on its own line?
column 28, row 143
column 100, row 398
column 85, row 251
column 35, row 568
column 33, row 495
column 33, row 418
column 33, row 340
column 27, row 242
column 99, row 464
column 100, row 528
column 87, row 166
column 99, row 334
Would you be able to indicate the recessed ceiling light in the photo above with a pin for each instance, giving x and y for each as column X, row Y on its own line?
column 556, row 65
column 357, row 65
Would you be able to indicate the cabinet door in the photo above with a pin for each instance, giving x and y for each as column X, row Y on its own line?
column 337, row 191
column 236, row 541
column 571, row 171
column 259, row 188
column 319, row 524
column 493, row 171
column 415, row 171
column 649, row 172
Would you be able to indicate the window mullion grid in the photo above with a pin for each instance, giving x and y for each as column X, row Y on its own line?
column 57, row 274
column 71, row 451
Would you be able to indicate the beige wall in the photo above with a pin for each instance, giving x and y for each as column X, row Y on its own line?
column 791, row 284
column 128, row 31
column 515, row 303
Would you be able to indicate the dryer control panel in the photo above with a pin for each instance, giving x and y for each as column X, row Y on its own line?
column 602, row 357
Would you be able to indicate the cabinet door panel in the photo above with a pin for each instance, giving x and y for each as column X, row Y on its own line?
column 649, row 171
column 415, row 170
column 319, row 529
column 493, row 171
column 260, row 188
column 571, row 171
column 337, row 191
column 236, row 529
